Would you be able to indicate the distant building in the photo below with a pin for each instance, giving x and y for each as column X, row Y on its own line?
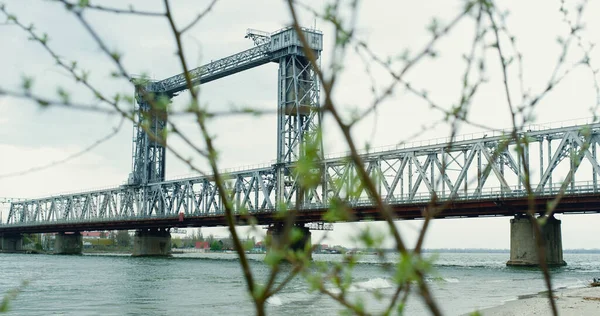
column 227, row 243
column 177, row 230
column 203, row 246
column 94, row 235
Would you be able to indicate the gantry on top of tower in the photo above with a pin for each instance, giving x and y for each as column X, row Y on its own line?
column 269, row 47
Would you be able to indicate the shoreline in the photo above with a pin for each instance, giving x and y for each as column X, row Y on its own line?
column 569, row 301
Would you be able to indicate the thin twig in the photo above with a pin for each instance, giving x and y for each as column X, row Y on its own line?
column 49, row 102
column 198, row 17
column 211, row 157
column 131, row 10
column 383, row 207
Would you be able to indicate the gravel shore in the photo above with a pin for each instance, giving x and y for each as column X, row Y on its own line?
column 581, row 301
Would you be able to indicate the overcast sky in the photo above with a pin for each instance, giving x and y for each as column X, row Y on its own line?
column 31, row 136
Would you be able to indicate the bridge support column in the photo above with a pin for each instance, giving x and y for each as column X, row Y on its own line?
column 276, row 239
column 68, row 244
column 523, row 244
column 152, row 242
column 11, row 243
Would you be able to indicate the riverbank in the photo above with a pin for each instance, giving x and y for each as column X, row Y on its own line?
column 569, row 302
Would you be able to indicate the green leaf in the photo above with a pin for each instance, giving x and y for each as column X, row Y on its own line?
column 407, row 267
column 542, row 220
column 296, row 235
column 63, row 95
column 84, row 75
column 337, row 212
column 378, row 295
column 405, row 55
column 274, row 257
column 433, row 26
column 281, row 210
column 400, row 309
column 10, row 296
column 252, row 221
column 43, row 39
column 129, row 99
column 162, row 103
column 27, row 83
column 251, row 111
column 163, row 134
column 43, row 103
column 116, row 56
column 314, row 280
column 142, row 81
column 259, row 290
column 243, row 210
column 371, row 239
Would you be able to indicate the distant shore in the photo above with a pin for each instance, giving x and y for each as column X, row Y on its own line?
column 486, row 250
column 569, row 302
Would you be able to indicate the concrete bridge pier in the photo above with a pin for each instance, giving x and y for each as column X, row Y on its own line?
column 276, row 238
column 68, row 243
column 523, row 244
column 11, row 243
column 152, row 242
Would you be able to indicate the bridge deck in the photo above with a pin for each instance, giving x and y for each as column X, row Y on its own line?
column 580, row 203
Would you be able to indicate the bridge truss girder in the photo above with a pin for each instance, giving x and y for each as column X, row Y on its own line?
column 466, row 170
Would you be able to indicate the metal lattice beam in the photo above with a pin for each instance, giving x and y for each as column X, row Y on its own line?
column 402, row 176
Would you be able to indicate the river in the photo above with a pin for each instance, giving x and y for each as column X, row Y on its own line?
column 212, row 284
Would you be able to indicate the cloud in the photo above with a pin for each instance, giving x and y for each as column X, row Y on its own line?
column 32, row 137
column 84, row 172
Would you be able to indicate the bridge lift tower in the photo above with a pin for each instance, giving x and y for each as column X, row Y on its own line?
column 298, row 109
column 298, row 119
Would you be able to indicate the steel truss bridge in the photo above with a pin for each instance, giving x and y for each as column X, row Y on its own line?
column 471, row 176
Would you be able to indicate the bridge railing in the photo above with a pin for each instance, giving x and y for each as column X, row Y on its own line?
column 248, row 168
column 91, row 220
column 466, row 137
column 581, row 187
